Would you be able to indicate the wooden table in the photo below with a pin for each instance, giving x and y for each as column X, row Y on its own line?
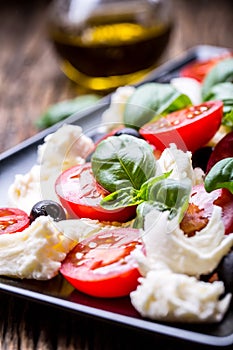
column 30, row 81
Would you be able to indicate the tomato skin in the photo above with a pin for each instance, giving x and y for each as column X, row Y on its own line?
column 223, row 149
column 221, row 197
column 80, row 195
column 102, row 266
column 13, row 220
column 189, row 128
column 199, row 69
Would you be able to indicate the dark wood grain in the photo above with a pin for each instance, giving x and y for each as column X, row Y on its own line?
column 30, row 81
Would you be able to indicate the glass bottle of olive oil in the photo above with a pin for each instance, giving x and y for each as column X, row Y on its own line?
column 104, row 44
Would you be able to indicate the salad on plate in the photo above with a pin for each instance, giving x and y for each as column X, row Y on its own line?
column 145, row 211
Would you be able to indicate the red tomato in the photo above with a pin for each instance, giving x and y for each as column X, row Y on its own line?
column 199, row 69
column 221, row 197
column 189, row 128
column 80, row 194
column 13, row 220
column 223, row 149
column 102, row 266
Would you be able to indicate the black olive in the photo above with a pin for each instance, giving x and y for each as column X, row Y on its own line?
column 88, row 158
column 48, row 207
column 97, row 136
column 225, row 271
column 201, row 156
column 128, row 131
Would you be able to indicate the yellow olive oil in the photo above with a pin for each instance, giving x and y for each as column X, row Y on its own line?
column 106, row 52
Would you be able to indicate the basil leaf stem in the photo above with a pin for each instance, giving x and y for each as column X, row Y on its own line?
column 159, row 192
column 129, row 196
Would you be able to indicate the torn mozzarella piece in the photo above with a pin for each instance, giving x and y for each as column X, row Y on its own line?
column 25, row 191
column 61, row 150
column 188, row 86
column 113, row 116
column 166, row 245
column 66, row 147
column 170, row 288
column 180, row 163
column 79, row 229
column 167, row 296
column 36, row 252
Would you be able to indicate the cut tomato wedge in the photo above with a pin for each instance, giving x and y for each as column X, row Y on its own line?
column 102, row 265
column 13, row 220
column 189, row 128
column 80, row 195
column 199, row 69
column 201, row 208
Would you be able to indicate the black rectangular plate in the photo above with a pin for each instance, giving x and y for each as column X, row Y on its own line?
column 57, row 292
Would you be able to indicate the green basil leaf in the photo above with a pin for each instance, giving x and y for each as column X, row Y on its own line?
column 228, row 119
column 167, row 194
column 172, row 193
column 144, row 208
column 220, row 175
column 224, row 93
column 169, row 191
column 64, row 109
column 123, row 161
column 221, row 91
column 151, row 100
column 220, row 73
column 129, row 196
column 146, row 187
column 124, row 197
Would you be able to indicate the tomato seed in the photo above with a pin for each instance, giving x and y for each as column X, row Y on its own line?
column 203, row 108
column 92, row 245
column 190, row 116
column 175, row 122
column 79, row 255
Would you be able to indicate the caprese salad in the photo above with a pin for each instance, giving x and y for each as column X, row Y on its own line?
column 146, row 211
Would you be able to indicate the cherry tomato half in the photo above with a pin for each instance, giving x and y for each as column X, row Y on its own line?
column 13, row 220
column 201, row 208
column 189, row 128
column 199, row 69
column 102, row 266
column 80, row 195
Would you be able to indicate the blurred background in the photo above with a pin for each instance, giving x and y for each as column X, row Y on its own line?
column 31, row 78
